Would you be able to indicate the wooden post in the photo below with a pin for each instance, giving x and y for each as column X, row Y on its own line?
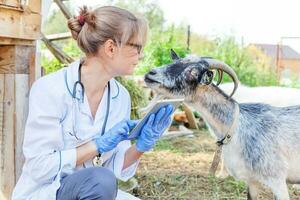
column 14, row 90
column 190, row 117
column 19, row 28
column 63, row 8
column 57, row 52
column 188, row 37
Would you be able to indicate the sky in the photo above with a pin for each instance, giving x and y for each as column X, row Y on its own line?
column 254, row 21
column 251, row 21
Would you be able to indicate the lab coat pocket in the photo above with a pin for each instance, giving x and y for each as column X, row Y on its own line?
column 70, row 135
column 76, row 133
column 70, row 138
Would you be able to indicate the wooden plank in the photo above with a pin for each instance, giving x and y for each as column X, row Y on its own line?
column 7, row 59
column 64, row 9
column 15, row 59
column 36, row 63
column 24, row 55
column 28, row 6
column 21, row 25
column 22, row 92
column 11, row 3
column 34, row 5
column 1, row 126
column 59, row 36
column 57, row 52
column 14, row 41
column 7, row 170
column 33, row 72
column 190, row 117
column 2, row 197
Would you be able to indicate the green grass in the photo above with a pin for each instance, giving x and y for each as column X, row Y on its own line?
column 177, row 169
column 189, row 187
column 183, row 145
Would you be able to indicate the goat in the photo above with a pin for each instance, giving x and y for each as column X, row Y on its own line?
column 272, row 95
column 260, row 143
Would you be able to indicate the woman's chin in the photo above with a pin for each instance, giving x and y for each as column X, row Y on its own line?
column 127, row 73
column 130, row 71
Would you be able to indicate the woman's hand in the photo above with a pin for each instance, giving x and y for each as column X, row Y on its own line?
column 154, row 128
column 114, row 136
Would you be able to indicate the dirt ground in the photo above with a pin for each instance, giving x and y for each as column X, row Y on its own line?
column 178, row 169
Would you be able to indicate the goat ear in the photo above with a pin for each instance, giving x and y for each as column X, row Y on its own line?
column 207, row 77
column 174, row 55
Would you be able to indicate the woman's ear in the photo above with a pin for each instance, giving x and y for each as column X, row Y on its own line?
column 110, row 48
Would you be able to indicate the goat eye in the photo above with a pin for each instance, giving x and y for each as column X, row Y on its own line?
column 208, row 77
column 210, row 74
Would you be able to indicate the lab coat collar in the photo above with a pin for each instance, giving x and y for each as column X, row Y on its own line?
column 72, row 77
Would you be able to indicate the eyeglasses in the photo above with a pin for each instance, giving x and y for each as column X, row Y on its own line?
column 137, row 46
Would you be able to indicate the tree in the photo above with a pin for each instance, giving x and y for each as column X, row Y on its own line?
column 149, row 9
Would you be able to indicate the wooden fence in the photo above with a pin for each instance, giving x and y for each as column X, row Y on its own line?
column 20, row 23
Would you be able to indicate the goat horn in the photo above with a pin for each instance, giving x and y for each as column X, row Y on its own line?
column 218, row 65
column 220, row 76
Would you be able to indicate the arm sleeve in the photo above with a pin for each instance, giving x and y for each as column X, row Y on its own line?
column 43, row 140
column 116, row 162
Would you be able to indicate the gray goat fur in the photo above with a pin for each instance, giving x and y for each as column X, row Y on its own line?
column 265, row 144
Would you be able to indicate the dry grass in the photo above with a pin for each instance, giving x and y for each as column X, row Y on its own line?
column 178, row 169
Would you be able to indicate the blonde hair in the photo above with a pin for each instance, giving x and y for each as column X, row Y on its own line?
column 93, row 28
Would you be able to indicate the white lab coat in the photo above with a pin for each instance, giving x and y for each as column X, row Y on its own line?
column 48, row 147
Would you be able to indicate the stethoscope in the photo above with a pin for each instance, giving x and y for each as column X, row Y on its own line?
column 97, row 161
column 77, row 84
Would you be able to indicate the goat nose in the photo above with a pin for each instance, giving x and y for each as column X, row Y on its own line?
column 153, row 72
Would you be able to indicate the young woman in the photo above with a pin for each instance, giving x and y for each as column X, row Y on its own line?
column 75, row 142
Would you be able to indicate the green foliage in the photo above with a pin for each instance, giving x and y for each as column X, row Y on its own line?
column 251, row 66
column 157, row 50
column 138, row 97
column 161, row 37
column 251, row 71
column 56, row 22
column 70, row 46
column 147, row 8
column 51, row 65
column 294, row 82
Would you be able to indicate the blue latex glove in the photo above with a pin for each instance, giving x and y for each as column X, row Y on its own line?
column 154, row 128
column 114, row 136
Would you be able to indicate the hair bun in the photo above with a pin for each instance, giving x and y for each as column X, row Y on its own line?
column 93, row 27
column 85, row 16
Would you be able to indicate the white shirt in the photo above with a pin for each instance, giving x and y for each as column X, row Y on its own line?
column 49, row 143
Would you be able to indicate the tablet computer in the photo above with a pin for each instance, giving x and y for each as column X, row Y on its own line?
column 134, row 133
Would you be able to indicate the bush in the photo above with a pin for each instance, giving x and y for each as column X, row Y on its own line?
column 252, row 67
column 138, row 97
column 157, row 50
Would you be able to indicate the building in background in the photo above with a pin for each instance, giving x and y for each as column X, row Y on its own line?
column 286, row 61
